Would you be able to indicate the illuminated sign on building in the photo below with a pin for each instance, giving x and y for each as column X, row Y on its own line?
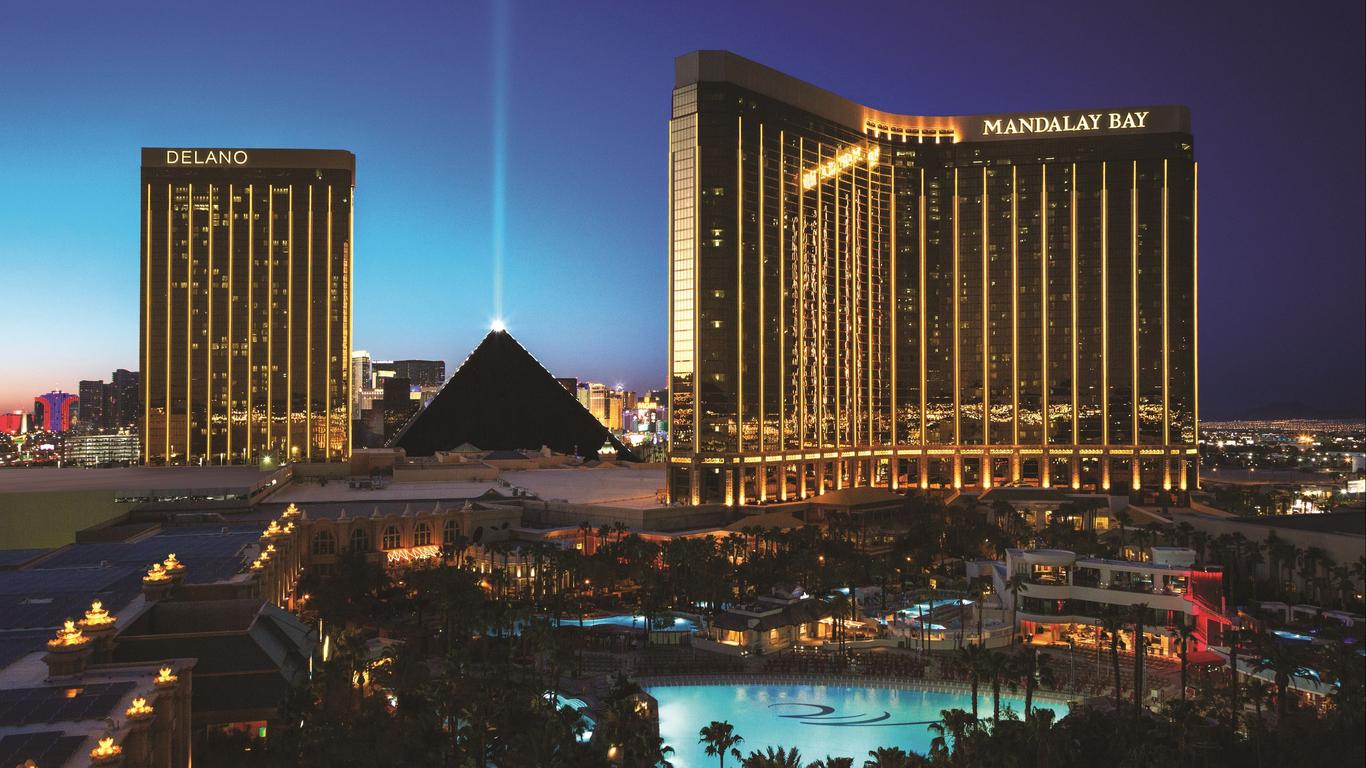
column 1091, row 121
column 839, row 164
column 206, row 157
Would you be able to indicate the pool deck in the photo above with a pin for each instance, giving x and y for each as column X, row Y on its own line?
column 852, row 681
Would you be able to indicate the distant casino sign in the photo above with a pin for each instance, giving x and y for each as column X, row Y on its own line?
column 206, row 157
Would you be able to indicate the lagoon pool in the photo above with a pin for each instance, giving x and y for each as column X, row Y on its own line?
column 819, row 720
column 661, row 624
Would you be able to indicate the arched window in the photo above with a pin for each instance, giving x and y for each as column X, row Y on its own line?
column 448, row 533
column 422, row 535
column 360, row 540
column 324, row 543
column 390, row 537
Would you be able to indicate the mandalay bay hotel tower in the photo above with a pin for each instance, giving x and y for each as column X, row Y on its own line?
column 862, row 298
column 246, row 305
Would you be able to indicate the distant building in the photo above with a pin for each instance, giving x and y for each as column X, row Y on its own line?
column 122, row 403
column 101, row 449
column 54, row 411
column 362, row 378
column 399, row 405
column 15, row 423
column 422, row 373
column 92, row 408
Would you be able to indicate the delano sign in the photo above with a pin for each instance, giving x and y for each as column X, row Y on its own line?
column 206, row 157
column 1069, row 123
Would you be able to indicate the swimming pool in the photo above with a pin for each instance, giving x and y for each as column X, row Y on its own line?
column 840, row 720
column 661, row 623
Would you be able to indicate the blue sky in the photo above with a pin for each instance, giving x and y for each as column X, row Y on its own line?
column 1275, row 93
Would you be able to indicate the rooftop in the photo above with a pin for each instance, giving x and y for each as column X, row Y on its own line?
column 1352, row 522
column 65, row 479
column 632, row 486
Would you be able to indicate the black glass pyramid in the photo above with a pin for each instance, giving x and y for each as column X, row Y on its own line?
column 501, row 398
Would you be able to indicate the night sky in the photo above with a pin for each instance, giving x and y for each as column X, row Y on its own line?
column 1275, row 91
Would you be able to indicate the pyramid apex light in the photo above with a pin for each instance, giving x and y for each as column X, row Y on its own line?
column 498, row 326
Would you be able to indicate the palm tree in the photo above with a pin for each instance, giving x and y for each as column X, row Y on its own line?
column 1017, row 584
column 1184, row 633
column 971, row 659
column 955, row 723
column 720, row 738
column 997, row 664
column 773, row 758
column 887, row 757
column 1124, row 518
column 1035, row 668
column 1139, row 611
column 1112, row 621
column 833, row 762
column 1286, row 661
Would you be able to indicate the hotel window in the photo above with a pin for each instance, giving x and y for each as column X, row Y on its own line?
column 360, row 540
column 324, row 543
column 422, row 535
column 390, row 540
column 448, row 533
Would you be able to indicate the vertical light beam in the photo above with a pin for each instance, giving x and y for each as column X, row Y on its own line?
column 500, row 66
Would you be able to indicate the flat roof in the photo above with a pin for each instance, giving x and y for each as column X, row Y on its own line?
column 341, row 492
column 1352, row 522
column 55, row 479
column 631, row 487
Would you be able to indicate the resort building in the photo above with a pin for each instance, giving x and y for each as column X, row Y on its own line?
column 865, row 298
column 1064, row 597
column 770, row 624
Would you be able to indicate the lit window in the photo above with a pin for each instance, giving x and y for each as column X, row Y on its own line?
column 422, row 535
column 390, row 537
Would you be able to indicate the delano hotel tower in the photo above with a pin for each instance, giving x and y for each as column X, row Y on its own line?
column 864, row 298
column 246, row 305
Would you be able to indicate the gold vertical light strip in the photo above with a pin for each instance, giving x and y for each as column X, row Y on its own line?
column 670, row 342
column 1166, row 338
column 1133, row 303
column 208, row 352
column 327, row 335
column 1195, row 293
column 957, row 372
column 986, row 325
column 868, row 298
column 739, row 284
column 696, row 285
column 920, row 302
column 289, row 331
column 251, row 318
column 763, row 318
column 838, row 258
column 1075, row 295
column 1105, row 308
column 270, row 316
column 169, row 240
column 351, row 300
column 891, row 216
column 1014, row 306
column 189, row 325
column 308, row 339
column 147, row 335
column 232, row 287
column 1044, row 467
column 799, row 306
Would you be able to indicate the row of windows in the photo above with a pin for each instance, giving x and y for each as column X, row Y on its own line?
column 325, row 542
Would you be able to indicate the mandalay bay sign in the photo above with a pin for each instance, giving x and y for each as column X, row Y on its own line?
column 1066, row 123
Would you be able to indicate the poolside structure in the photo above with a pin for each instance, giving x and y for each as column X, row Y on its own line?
column 769, row 624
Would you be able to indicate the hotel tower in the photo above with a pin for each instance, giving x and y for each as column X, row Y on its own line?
column 246, row 305
column 861, row 298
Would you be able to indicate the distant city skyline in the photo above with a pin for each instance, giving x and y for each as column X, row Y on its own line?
column 584, row 200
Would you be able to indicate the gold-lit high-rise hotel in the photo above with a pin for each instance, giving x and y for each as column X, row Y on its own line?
column 864, row 298
column 246, row 305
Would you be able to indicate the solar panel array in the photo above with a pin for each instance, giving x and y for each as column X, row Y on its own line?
column 43, row 748
column 58, row 704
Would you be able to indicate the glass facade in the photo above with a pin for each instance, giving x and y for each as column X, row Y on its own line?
column 859, row 298
column 246, row 305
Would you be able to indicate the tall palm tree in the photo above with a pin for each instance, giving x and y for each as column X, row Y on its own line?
column 720, row 738
column 997, row 665
column 1017, row 584
column 773, row 758
column 833, row 762
column 1184, row 633
column 1139, row 612
column 953, row 723
column 1112, row 621
column 887, row 757
column 971, row 659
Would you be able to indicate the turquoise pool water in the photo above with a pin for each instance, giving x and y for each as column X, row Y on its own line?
column 819, row 720
column 661, row 624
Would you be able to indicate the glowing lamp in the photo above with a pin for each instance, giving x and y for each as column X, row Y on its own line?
column 68, row 636
column 156, row 574
column 140, row 709
column 171, row 564
column 106, row 751
column 97, row 616
column 273, row 529
column 291, row 511
column 498, row 326
column 165, row 677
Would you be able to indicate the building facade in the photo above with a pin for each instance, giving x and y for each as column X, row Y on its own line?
column 55, row 411
column 865, row 298
column 246, row 305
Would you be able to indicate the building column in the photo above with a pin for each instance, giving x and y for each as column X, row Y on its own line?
column 1181, row 470
column 1105, row 471
column 1074, row 466
column 923, row 469
column 1045, row 469
column 957, row 470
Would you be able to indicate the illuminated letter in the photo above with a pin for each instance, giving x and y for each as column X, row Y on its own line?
column 1142, row 117
column 1054, row 126
column 991, row 126
column 239, row 157
column 1095, row 121
column 186, row 156
column 1114, row 120
column 170, row 157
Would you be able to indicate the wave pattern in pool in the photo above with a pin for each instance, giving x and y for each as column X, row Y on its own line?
column 819, row 720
